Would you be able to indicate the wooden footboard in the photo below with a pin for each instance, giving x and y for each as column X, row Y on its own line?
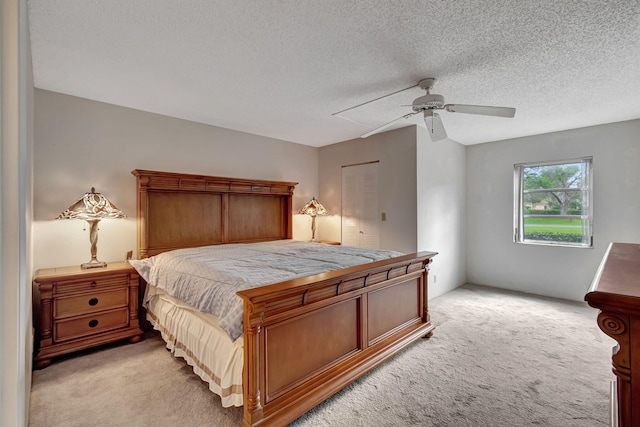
column 305, row 339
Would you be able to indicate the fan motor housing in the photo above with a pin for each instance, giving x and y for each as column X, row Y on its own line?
column 429, row 101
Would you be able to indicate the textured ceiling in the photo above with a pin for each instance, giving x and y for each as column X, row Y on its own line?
column 282, row 68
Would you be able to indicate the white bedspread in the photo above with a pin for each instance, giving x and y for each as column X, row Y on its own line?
column 208, row 277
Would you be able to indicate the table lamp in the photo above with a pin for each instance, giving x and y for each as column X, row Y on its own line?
column 92, row 207
column 313, row 209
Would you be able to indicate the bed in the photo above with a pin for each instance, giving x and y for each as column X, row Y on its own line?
column 301, row 339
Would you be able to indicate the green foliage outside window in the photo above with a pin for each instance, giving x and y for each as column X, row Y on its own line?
column 554, row 204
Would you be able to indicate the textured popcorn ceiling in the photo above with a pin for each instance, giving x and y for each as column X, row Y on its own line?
column 282, row 68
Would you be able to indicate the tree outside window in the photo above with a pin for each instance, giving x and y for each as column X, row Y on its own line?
column 552, row 203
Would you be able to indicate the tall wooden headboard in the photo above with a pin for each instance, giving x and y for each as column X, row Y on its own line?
column 178, row 210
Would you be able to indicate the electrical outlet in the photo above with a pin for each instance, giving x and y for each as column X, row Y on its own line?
column 384, row 216
column 435, row 278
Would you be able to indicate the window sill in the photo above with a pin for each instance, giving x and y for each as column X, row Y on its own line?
column 560, row 245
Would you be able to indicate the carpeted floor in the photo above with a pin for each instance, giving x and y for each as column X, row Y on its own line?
column 497, row 358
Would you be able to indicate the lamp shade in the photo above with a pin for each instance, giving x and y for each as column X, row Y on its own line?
column 313, row 208
column 92, row 206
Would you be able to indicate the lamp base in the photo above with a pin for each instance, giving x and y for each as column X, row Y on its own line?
column 94, row 263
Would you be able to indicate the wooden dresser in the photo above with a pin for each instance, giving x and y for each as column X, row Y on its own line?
column 616, row 292
column 75, row 309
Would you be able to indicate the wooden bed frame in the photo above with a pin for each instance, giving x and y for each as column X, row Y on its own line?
column 304, row 339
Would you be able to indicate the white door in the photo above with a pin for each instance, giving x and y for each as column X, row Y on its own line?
column 360, row 216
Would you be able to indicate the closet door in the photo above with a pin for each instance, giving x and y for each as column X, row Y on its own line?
column 360, row 216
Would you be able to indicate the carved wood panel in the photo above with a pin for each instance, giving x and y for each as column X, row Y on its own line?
column 297, row 348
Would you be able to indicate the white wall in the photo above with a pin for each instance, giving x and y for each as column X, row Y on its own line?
column 396, row 152
column 81, row 143
column 441, row 214
column 16, row 103
column 492, row 258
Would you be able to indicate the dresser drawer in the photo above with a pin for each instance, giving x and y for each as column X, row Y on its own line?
column 90, row 284
column 90, row 303
column 90, row 325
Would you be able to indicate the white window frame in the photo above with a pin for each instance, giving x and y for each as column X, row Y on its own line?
column 519, row 209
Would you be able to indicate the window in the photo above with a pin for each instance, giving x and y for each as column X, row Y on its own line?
column 553, row 203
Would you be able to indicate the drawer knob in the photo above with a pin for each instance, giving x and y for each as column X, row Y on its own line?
column 93, row 323
column 94, row 284
column 93, row 301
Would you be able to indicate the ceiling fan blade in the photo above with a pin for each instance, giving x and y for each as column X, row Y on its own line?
column 386, row 125
column 373, row 100
column 484, row 110
column 434, row 126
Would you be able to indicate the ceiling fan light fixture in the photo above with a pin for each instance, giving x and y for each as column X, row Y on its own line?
column 428, row 101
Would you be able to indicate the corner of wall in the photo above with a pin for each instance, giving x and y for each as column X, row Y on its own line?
column 441, row 196
column 16, row 107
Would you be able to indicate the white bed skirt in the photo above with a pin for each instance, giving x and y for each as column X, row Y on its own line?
column 195, row 337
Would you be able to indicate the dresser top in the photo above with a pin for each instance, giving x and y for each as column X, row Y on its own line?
column 618, row 277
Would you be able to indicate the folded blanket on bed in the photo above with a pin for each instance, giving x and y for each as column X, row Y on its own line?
column 208, row 277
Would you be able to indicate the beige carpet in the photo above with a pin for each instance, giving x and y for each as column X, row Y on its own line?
column 497, row 358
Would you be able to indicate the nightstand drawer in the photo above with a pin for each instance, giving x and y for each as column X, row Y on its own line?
column 90, row 303
column 90, row 325
column 90, row 284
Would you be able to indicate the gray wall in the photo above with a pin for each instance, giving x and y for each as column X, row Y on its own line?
column 441, row 214
column 81, row 143
column 492, row 258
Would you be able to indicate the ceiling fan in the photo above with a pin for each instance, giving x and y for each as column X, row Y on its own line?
column 429, row 103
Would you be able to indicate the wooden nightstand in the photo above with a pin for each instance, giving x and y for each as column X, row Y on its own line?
column 75, row 309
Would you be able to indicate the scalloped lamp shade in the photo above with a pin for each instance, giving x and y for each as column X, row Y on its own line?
column 92, row 207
